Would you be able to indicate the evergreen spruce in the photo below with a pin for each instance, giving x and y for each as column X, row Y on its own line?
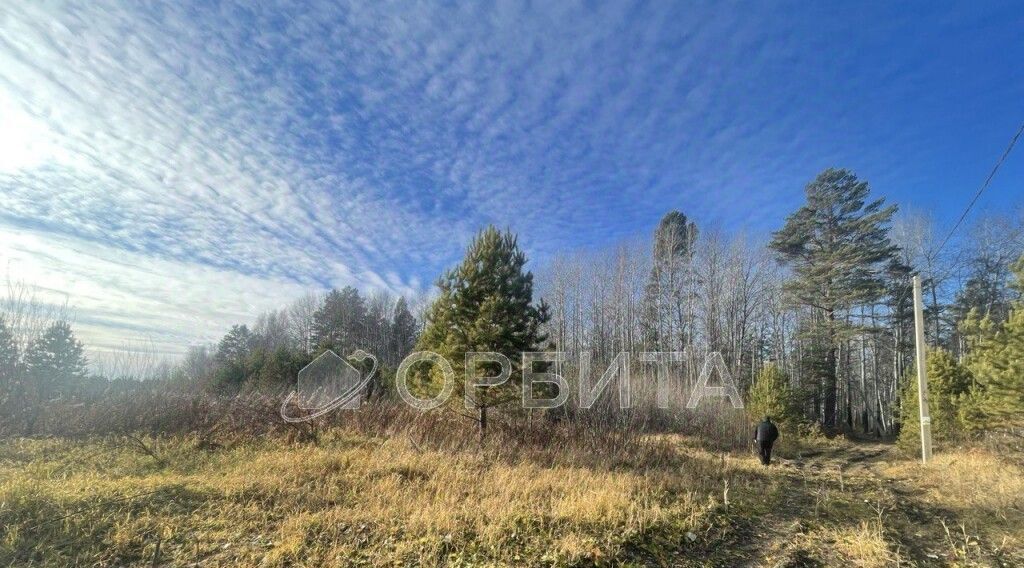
column 55, row 362
column 236, row 345
column 403, row 331
column 340, row 323
column 9, row 362
column 10, row 373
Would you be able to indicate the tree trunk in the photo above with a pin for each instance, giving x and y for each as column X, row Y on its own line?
column 864, row 400
column 879, row 414
column 848, row 383
column 483, row 423
column 830, row 382
column 863, row 411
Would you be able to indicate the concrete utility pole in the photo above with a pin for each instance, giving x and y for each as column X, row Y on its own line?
column 922, row 373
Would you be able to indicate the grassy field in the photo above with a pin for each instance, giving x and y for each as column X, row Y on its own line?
column 351, row 499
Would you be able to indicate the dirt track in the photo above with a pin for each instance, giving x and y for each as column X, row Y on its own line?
column 808, row 506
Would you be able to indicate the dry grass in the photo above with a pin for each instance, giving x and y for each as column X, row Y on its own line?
column 863, row 545
column 383, row 485
column 978, row 502
column 349, row 499
column 168, row 476
column 968, row 480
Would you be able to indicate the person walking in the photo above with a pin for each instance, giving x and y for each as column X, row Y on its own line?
column 764, row 436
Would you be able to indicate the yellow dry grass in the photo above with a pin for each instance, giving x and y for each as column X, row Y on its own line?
column 346, row 500
column 978, row 498
column 355, row 499
column 863, row 545
column 971, row 479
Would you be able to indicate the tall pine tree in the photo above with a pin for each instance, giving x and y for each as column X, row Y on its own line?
column 236, row 345
column 838, row 246
column 485, row 304
column 665, row 304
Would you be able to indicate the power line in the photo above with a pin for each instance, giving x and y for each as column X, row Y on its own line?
column 982, row 188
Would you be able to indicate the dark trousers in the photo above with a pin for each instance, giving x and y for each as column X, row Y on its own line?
column 764, row 450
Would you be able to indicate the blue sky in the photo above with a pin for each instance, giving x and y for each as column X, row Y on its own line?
column 170, row 170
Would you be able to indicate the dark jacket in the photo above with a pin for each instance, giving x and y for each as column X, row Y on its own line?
column 766, row 432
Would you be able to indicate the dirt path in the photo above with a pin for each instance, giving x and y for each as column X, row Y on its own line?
column 822, row 508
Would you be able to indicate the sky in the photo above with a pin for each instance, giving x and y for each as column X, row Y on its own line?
column 170, row 168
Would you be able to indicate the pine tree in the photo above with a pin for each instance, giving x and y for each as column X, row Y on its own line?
column 277, row 369
column 9, row 363
column 236, row 345
column 403, row 331
column 984, row 293
column 900, row 301
column 55, row 362
column 989, row 288
column 486, row 305
column 771, row 395
column 664, row 302
column 1018, row 277
column 838, row 246
column 997, row 362
column 949, row 385
column 10, row 373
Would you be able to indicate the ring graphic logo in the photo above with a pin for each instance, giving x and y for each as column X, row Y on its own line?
column 328, row 383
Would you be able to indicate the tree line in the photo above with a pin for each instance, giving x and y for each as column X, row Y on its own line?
column 821, row 312
column 42, row 362
column 280, row 343
column 815, row 323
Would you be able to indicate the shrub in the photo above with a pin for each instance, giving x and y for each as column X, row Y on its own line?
column 997, row 362
column 771, row 395
column 949, row 386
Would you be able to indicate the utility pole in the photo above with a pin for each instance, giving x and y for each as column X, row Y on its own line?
column 922, row 374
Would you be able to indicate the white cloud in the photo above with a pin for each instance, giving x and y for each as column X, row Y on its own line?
column 118, row 295
column 286, row 145
column 140, row 178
